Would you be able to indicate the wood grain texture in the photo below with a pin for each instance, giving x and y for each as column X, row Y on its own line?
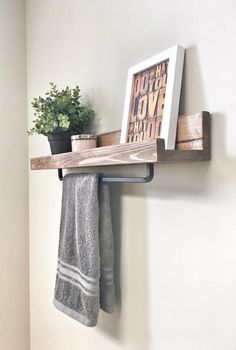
column 190, row 145
column 193, row 144
column 109, row 138
column 135, row 153
column 189, row 128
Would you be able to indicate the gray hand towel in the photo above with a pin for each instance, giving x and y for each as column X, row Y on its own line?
column 85, row 279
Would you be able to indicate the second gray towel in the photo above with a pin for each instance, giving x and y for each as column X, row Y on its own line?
column 85, row 278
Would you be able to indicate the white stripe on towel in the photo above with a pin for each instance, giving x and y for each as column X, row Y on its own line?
column 92, row 287
column 76, row 284
column 90, row 279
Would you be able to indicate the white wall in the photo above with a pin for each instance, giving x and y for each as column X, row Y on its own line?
column 14, row 295
column 175, row 237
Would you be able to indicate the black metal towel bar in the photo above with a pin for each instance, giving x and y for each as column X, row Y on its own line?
column 122, row 179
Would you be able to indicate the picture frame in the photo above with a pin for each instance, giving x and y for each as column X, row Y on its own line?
column 152, row 98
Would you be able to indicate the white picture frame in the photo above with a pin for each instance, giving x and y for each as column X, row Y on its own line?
column 173, row 59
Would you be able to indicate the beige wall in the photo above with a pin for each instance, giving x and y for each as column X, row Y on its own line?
column 14, row 296
column 175, row 237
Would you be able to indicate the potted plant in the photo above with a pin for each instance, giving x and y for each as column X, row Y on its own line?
column 59, row 115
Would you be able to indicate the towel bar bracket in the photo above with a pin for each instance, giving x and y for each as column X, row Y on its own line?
column 60, row 174
column 122, row 179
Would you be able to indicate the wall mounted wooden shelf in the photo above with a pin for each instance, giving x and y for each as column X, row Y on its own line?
column 192, row 144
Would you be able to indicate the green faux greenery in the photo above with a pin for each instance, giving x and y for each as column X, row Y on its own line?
column 60, row 111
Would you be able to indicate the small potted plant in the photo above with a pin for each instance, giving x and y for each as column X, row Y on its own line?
column 59, row 115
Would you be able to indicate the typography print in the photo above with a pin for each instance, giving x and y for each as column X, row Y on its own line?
column 147, row 103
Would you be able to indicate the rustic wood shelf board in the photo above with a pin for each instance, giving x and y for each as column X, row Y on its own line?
column 192, row 144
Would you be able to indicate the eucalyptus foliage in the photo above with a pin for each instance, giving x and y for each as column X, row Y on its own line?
column 60, row 111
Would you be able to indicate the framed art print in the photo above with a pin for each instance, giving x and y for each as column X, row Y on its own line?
column 152, row 98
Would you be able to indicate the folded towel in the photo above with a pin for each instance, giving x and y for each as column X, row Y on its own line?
column 85, row 279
